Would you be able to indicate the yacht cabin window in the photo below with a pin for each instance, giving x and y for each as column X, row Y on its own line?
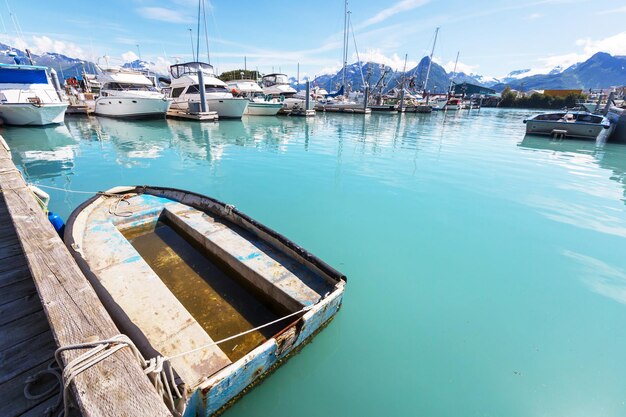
column 128, row 86
column 176, row 92
column 193, row 89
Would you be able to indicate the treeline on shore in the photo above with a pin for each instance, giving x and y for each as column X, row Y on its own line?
column 538, row 101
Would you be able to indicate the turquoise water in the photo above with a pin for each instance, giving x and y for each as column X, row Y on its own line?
column 486, row 270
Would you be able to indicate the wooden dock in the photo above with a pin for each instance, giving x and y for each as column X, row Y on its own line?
column 46, row 302
column 207, row 116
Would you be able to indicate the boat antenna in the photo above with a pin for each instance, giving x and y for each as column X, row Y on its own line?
column 454, row 72
column 193, row 54
column 198, row 32
column 430, row 62
column 206, row 32
column 15, row 23
column 345, row 45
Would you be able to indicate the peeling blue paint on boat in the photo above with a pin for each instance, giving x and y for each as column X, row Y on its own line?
column 250, row 256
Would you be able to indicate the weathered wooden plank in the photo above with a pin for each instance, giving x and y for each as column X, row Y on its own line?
column 19, row 272
column 20, row 307
column 114, row 387
column 17, row 290
column 10, row 250
column 40, row 410
column 8, row 265
column 24, row 328
column 14, row 403
column 26, row 355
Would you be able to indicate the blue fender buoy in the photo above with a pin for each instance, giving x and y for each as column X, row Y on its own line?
column 57, row 223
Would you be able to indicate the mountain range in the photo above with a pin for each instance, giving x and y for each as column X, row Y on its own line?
column 602, row 70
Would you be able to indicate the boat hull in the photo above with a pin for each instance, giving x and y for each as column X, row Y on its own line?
column 285, row 275
column 131, row 107
column 26, row 114
column 263, row 109
column 572, row 130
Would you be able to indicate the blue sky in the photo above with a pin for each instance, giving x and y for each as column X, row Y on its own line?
column 493, row 36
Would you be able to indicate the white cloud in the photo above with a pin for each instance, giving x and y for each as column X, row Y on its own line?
column 129, row 56
column 614, row 45
column 394, row 61
column 164, row 15
column 613, row 11
column 534, row 16
column 41, row 44
column 401, row 6
column 460, row 67
column 161, row 66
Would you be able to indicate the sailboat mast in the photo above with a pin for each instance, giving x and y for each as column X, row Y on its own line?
column 456, row 61
column 345, row 44
column 430, row 61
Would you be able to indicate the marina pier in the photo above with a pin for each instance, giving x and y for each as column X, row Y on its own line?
column 46, row 303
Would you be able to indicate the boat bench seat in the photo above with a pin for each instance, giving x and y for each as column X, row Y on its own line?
column 279, row 276
column 145, row 309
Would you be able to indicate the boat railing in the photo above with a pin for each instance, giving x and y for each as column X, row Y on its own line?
column 32, row 97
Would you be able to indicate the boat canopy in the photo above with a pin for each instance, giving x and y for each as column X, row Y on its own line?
column 273, row 79
column 178, row 70
column 23, row 74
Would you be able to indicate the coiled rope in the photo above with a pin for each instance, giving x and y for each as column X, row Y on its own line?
column 113, row 208
column 161, row 375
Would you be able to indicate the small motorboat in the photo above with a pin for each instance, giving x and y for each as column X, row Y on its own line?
column 573, row 124
column 222, row 298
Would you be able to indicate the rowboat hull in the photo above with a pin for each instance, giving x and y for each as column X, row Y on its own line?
column 105, row 234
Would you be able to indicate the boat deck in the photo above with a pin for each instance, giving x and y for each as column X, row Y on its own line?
column 26, row 342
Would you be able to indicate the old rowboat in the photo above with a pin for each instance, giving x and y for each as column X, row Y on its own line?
column 179, row 271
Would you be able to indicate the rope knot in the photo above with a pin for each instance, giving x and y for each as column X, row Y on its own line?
column 155, row 365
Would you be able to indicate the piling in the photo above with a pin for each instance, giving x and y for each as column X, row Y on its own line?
column 201, row 87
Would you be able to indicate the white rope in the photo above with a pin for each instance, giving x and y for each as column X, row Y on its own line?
column 306, row 308
column 161, row 375
column 73, row 191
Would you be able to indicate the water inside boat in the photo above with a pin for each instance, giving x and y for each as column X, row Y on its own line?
column 213, row 294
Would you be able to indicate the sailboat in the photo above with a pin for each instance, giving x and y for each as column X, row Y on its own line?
column 196, row 82
column 342, row 102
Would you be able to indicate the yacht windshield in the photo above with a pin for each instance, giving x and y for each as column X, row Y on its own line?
column 273, row 79
column 128, row 87
column 179, row 70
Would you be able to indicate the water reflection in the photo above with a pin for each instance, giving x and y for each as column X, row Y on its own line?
column 584, row 154
column 42, row 152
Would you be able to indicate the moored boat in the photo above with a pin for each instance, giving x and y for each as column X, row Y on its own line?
column 222, row 298
column 259, row 104
column 574, row 124
column 28, row 96
column 185, row 89
column 129, row 94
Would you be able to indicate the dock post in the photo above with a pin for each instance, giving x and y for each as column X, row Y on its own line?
column 201, row 87
column 366, row 97
column 401, row 100
column 55, row 82
column 308, row 95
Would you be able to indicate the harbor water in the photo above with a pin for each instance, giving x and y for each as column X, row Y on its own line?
column 486, row 269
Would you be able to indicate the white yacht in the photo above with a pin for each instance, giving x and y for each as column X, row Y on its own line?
column 126, row 93
column 277, row 86
column 184, row 89
column 573, row 124
column 260, row 104
column 28, row 96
